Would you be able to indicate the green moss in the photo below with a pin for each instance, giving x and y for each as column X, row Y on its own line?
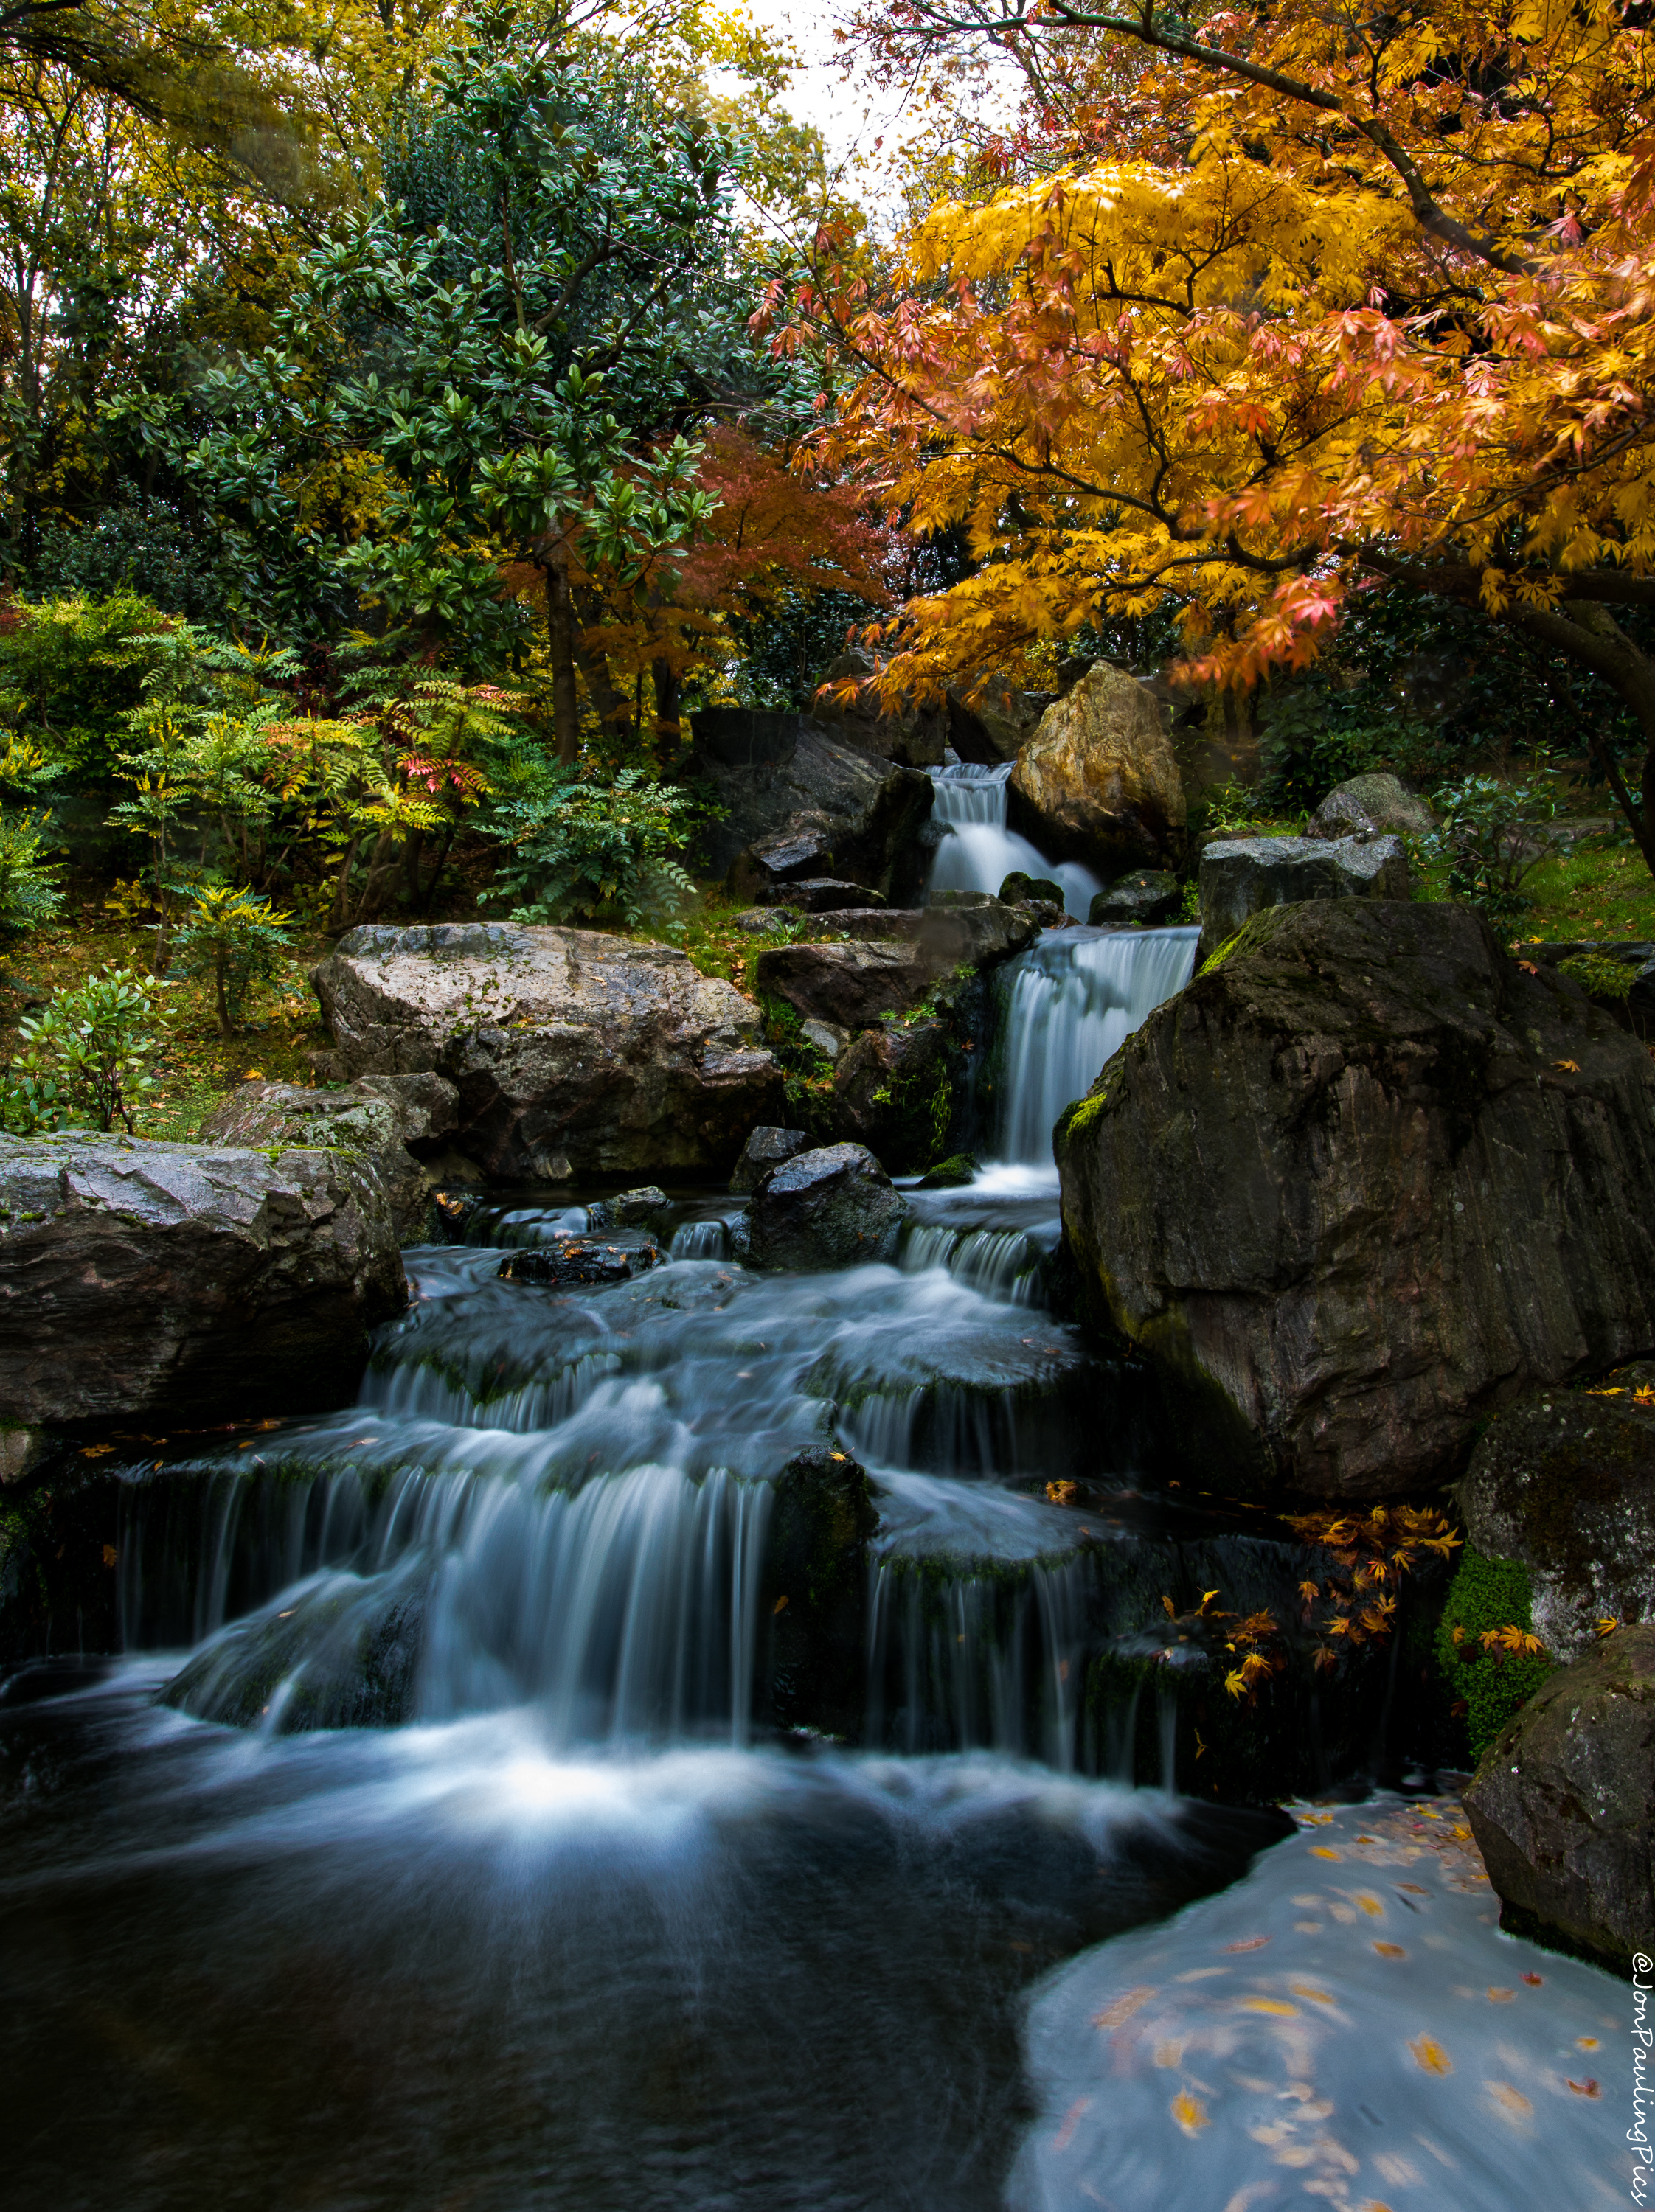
column 1074, row 1121
column 1599, row 975
column 1216, row 960
column 1488, row 1593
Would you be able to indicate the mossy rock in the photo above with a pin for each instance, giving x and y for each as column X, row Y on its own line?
column 1488, row 1594
column 954, row 1173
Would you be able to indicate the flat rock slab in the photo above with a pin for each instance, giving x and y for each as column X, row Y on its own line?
column 1563, row 1804
column 186, row 1283
column 1566, row 1483
column 1242, row 875
column 1360, row 1185
column 571, row 1051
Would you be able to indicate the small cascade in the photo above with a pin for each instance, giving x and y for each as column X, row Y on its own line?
column 979, row 852
column 1001, row 1263
column 1067, row 1003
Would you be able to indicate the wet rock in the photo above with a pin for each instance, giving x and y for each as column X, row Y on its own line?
column 895, row 1089
column 1242, row 875
column 972, row 930
column 571, row 1051
column 831, row 1207
column 382, row 1116
column 451, row 1212
column 1099, row 781
column 764, row 920
column 1563, row 1804
column 638, row 1208
column 799, row 805
column 814, row 1592
column 829, row 1039
column 186, row 1283
column 1360, row 1185
column 1376, row 803
column 818, row 894
column 1019, row 889
column 575, row 1264
column 1564, row 1483
column 766, row 1148
column 1148, row 898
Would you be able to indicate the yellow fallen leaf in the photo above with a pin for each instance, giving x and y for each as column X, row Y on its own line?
column 1187, row 2113
column 1307, row 1989
column 96, row 1451
column 1501, row 1996
column 1513, row 2100
column 109, row 1555
column 1567, row 1066
column 1277, row 2005
column 1587, row 2043
column 779, row 1604
column 1322, row 1851
column 1430, row 2057
column 1122, row 2008
column 1371, row 1906
column 1390, row 1950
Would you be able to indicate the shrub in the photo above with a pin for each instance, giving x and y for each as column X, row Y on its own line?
column 96, row 1043
column 1600, row 975
column 233, row 936
column 27, row 895
column 1492, row 834
column 577, row 848
column 1493, row 1662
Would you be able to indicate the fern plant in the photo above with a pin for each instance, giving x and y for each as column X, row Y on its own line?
column 29, row 896
column 575, row 847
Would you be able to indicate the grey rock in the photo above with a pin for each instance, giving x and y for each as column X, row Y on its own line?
column 1376, row 803
column 1345, row 1192
column 1566, row 1483
column 571, row 1051
column 1243, row 876
column 813, row 894
column 1562, row 1805
column 576, row 1263
column 186, row 1283
column 894, row 1090
column 1146, row 899
column 381, row 1116
column 799, row 805
column 638, row 1208
column 1098, row 781
column 833, row 1206
column 827, row 1037
column 766, row 1148
column 848, row 984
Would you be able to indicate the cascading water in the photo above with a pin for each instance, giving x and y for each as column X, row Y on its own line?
column 466, row 1830
column 978, row 852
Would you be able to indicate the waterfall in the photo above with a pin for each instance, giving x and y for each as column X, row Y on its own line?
column 1067, row 1003
column 978, row 852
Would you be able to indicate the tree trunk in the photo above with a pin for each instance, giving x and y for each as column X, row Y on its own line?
column 669, row 713
column 412, row 849
column 339, row 919
column 381, row 862
column 560, row 637
column 436, row 872
column 1589, row 634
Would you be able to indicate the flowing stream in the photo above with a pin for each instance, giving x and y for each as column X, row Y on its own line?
column 978, row 852
column 458, row 1830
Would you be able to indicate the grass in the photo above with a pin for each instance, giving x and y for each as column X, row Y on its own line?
column 196, row 1066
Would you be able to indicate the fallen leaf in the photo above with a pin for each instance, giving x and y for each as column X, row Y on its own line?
column 1390, row 1950
column 1430, row 2057
column 96, row 1451
column 1513, row 2100
column 1322, row 1851
column 1314, row 1995
column 1168, row 2055
column 1502, row 1997
column 1527, row 967
column 1533, row 1980
column 1586, row 2088
column 109, row 1555
column 1413, row 1889
column 1587, row 2043
column 1122, row 2008
column 1371, row 1906
column 1277, row 2005
column 1567, row 1066
column 1187, row 2113
column 1252, row 1943
column 780, row 1602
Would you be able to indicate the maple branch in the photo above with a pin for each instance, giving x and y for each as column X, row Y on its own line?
column 1007, row 26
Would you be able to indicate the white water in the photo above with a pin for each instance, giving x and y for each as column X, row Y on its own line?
column 1070, row 1002
column 979, row 852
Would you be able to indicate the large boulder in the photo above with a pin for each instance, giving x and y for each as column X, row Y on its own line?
column 1564, row 1483
column 1243, row 876
column 1562, row 1805
column 832, row 1208
column 886, row 960
column 570, row 1051
column 797, row 804
column 1360, row 1185
column 1099, row 781
column 1376, row 803
column 179, row 1284
column 386, row 1117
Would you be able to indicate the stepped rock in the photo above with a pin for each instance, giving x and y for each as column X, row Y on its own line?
column 1099, row 781
column 570, row 1051
column 382, row 1116
column 1360, row 1185
column 180, row 1285
column 1148, row 898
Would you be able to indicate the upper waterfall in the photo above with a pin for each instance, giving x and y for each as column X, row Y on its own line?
column 978, row 852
